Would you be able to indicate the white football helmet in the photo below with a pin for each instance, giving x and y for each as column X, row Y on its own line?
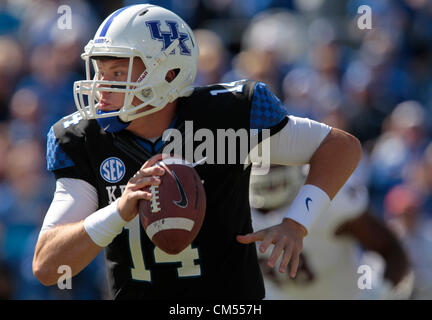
column 161, row 39
column 277, row 187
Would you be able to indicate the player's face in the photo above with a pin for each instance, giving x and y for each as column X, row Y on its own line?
column 117, row 70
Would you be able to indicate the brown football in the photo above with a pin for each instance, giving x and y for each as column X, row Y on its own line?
column 175, row 214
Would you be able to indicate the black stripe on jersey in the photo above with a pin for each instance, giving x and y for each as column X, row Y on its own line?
column 273, row 130
column 70, row 172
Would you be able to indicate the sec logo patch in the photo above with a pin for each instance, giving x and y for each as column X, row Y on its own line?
column 112, row 170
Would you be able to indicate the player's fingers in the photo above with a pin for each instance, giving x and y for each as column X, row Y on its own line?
column 277, row 250
column 151, row 162
column 146, row 181
column 138, row 195
column 251, row 237
column 152, row 171
column 295, row 260
column 268, row 240
column 286, row 257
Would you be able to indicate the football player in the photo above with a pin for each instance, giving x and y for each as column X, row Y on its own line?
column 344, row 244
column 140, row 70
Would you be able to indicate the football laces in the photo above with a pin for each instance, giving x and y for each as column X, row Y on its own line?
column 155, row 204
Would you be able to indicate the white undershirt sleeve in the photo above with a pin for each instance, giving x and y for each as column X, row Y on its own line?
column 295, row 143
column 74, row 200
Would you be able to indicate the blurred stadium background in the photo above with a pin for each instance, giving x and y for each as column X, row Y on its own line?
column 375, row 84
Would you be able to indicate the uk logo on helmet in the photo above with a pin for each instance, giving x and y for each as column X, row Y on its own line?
column 112, row 170
column 167, row 37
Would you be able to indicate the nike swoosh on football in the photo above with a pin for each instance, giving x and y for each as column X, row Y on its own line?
column 183, row 202
column 307, row 203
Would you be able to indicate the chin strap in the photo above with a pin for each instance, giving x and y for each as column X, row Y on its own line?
column 111, row 124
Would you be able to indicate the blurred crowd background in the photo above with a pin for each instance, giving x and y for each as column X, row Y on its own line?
column 375, row 84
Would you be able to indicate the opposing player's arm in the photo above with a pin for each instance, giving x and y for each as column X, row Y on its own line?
column 373, row 235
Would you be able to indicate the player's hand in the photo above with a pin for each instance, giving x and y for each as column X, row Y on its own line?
column 149, row 174
column 287, row 238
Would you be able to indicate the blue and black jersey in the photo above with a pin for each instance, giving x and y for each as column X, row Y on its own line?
column 215, row 265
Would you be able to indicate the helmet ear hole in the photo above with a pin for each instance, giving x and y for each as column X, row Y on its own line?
column 172, row 74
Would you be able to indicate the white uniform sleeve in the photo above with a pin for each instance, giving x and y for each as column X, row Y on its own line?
column 295, row 143
column 350, row 202
column 73, row 201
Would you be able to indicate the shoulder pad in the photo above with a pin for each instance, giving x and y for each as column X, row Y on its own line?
column 266, row 110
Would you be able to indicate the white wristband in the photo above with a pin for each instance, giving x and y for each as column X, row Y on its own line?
column 104, row 225
column 309, row 203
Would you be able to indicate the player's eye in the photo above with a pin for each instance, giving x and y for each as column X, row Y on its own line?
column 118, row 73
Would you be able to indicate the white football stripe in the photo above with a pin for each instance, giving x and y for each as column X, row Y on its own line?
column 181, row 161
column 174, row 161
column 169, row 223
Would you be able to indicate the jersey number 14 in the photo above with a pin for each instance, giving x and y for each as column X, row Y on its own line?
column 186, row 258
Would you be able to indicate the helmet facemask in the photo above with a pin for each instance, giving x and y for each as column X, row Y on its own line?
column 147, row 87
